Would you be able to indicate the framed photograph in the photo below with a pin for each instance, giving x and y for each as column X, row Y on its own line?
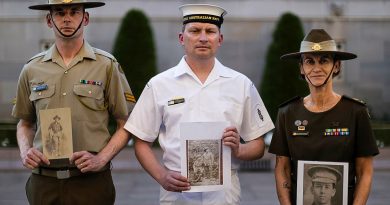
column 56, row 131
column 205, row 161
column 322, row 183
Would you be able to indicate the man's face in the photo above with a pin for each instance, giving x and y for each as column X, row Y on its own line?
column 67, row 19
column 323, row 192
column 200, row 40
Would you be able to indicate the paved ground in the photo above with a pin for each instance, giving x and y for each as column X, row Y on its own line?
column 135, row 187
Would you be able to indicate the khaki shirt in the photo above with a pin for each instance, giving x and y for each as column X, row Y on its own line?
column 93, row 86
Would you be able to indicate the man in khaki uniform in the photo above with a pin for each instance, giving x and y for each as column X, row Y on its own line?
column 72, row 74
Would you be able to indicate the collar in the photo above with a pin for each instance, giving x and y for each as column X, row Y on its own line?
column 86, row 51
column 218, row 70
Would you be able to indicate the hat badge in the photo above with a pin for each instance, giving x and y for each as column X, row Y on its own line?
column 316, row 47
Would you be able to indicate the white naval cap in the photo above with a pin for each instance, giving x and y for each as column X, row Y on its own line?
column 205, row 13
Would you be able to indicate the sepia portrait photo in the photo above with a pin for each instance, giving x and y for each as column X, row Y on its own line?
column 56, row 131
column 205, row 161
column 324, row 183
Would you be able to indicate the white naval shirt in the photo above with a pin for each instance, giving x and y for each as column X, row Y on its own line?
column 226, row 95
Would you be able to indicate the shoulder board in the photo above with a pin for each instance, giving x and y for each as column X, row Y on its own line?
column 355, row 100
column 36, row 56
column 289, row 101
column 104, row 53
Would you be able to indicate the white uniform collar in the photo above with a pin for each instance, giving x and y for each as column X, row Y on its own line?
column 219, row 70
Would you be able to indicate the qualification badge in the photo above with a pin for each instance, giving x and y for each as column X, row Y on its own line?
column 301, row 129
column 40, row 87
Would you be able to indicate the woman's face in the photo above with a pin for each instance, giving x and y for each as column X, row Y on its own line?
column 317, row 67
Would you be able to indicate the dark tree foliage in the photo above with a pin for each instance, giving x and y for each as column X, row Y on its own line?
column 281, row 79
column 135, row 50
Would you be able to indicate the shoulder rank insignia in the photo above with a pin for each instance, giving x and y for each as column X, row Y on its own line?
column 355, row 100
column 289, row 101
column 129, row 97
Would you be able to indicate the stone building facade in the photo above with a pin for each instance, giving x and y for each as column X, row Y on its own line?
column 359, row 26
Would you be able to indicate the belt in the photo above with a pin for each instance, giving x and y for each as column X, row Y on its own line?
column 64, row 173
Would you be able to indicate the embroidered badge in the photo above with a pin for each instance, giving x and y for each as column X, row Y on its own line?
column 260, row 115
column 129, row 97
column 91, row 82
column 40, row 87
column 336, row 132
column 175, row 101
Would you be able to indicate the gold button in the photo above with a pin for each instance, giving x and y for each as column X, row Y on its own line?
column 90, row 92
column 64, row 94
column 39, row 93
column 66, row 72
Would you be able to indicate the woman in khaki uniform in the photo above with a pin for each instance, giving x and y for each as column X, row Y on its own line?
column 72, row 74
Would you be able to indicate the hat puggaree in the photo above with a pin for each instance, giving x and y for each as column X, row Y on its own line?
column 318, row 41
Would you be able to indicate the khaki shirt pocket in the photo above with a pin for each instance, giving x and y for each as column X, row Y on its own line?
column 91, row 96
column 37, row 95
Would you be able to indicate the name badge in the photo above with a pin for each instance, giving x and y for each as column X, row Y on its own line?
column 300, row 133
column 176, row 101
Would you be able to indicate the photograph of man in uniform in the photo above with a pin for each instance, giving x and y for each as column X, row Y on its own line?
column 53, row 141
column 56, row 128
column 202, row 155
column 324, row 185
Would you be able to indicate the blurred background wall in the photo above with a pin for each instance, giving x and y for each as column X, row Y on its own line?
column 359, row 26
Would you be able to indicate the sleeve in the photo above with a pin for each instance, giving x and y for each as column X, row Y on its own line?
column 256, row 120
column 23, row 108
column 365, row 140
column 119, row 95
column 279, row 145
column 146, row 118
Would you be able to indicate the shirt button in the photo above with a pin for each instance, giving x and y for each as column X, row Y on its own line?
column 66, row 72
column 63, row 94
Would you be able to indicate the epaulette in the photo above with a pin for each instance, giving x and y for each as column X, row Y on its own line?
column 38, row 55
column 289, row 101
column 104, row 53
column 355, row 100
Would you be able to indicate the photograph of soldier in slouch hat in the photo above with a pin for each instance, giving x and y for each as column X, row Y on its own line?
column 322, row 183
